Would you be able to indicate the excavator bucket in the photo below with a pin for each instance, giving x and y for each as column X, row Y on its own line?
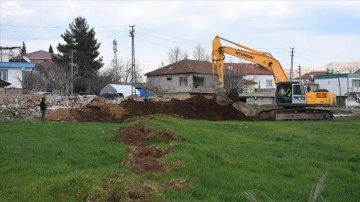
column 222, row 98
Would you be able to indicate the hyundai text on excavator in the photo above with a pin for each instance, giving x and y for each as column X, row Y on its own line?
column 298, row 105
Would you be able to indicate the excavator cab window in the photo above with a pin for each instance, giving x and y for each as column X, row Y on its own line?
column 284, row 93
column 288, row 94
column 299, row 94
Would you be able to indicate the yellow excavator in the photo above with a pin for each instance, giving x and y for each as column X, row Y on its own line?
column 292, row 98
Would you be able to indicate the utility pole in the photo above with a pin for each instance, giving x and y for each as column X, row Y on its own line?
column 132, row 35
column 72, row 73
column 292, row 63
column 115, row 52
column 300, row 74
column 115, row 56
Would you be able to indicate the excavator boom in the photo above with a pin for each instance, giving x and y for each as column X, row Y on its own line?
column 246, row 53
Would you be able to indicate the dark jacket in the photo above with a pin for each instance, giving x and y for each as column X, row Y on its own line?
column 42, row 105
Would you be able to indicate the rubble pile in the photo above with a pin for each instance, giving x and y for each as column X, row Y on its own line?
column 26, row 106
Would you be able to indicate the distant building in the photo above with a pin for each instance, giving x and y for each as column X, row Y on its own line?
column 120, row 89
column 186, row 78
column 39, row 56
column 308, row 79
column 345, row 86
column 12, row 72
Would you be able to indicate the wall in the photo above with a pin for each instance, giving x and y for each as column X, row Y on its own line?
column 261, row 80
column 14, row 77
column 261, row 101
column 337, row 85
column 171, row 84
column 341, row 85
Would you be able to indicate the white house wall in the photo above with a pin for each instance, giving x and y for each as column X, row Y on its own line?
column 164, row 85
column 15, row 78
column 339, row 86
column 261, row 81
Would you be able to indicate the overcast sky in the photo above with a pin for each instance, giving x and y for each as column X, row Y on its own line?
column 320, row 31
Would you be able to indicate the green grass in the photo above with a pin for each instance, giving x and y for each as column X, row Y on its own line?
column 278, row 161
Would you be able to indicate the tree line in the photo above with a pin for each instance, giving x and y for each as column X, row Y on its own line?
column 78, row 63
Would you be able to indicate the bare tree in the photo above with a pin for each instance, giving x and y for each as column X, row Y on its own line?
column 200, row 54
column 162, row 64
column 152, row 84
column 119, row 72
column 176, row 54
column 45, row 79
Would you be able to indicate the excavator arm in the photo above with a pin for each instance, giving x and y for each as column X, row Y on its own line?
column 246, row 53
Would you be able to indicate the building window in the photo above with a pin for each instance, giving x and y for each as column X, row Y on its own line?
column 269, row 83
column 169, row 77
column 4, row 74
column 356, row 83
column 183, row 81
column 198, row 81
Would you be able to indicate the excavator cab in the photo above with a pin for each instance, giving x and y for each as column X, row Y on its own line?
column 290, row 94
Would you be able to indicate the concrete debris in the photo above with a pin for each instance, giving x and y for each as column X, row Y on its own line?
column 26, row 106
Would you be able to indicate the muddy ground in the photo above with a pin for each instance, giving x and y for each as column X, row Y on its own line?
column 197, row 107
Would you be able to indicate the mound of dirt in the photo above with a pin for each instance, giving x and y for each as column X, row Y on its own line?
column 91, row 112
column 61, row 114
column 197, row 107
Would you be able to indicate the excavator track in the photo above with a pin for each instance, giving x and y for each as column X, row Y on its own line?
column 297, row 114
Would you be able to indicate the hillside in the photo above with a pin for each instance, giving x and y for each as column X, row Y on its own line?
column 337, row 67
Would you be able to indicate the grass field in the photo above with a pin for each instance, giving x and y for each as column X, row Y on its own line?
column 221, row 161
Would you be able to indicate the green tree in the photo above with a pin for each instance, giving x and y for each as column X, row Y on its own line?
column 51, row 49
column 82, row 47
column 23, row 48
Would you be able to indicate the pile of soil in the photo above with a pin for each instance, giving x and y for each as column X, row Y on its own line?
column 91, row 112
column 197, row 107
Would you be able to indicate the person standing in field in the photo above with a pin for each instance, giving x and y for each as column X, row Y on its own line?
column 43, row 108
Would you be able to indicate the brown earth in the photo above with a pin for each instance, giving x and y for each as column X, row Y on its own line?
column 197, row 107
column 91, row 112
column 144, row 157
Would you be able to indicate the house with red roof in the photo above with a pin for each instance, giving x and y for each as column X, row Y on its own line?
column 193, row 77
column 42, row 59
column 39, row 56
column 308, row 79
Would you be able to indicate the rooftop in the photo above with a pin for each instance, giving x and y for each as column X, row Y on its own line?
column 204, row 67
